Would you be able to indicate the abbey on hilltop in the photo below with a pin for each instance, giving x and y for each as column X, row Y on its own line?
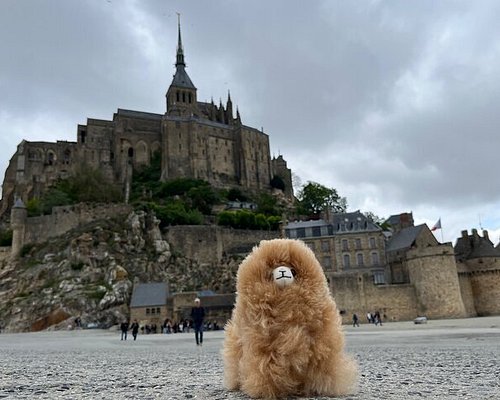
column 195, row 140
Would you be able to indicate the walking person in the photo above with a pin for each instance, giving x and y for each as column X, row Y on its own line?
column 135, row 329
column 124, row 329
column 355, row 320
column 198, row 314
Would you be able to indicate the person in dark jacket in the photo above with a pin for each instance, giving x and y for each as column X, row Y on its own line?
column 135, row 329
column 197, row 315
column 124, row 329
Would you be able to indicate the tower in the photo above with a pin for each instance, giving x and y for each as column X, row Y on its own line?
column 18, row 216
column 181, row 95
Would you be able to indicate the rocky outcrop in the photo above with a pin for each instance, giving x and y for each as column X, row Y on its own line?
column 89, row 273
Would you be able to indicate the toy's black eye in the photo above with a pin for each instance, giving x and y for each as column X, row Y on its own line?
column 293, row 271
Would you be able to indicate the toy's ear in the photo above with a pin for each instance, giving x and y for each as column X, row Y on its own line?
column 283, row 276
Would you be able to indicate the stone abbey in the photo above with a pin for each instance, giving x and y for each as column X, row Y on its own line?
column 195, row 140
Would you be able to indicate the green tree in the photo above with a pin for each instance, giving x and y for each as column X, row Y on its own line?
column 315, row 198
column 203, row 198
column 268, row 205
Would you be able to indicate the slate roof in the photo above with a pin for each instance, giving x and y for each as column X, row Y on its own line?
column 353, row 222
column 475, row 246
column 149, row 294
column 181, row 78
column 404, row 239
column 139, row 114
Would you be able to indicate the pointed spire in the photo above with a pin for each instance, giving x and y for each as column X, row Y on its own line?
column 229, row 107
column 180, row 50
column 238, row 117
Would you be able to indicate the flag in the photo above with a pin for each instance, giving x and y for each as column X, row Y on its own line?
column 437, row 225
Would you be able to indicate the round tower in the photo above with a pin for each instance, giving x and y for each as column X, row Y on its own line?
column 433, row 273
column 18, row 216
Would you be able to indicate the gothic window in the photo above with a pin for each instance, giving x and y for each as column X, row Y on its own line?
column 190, row 98
column 177, row 96
column 183, row 97
column 51, row 158
column 347, row 261
column 111, row 156
column 83, row 136
column 141, row 153
column 66, row 156
column 358, row 244
column 373, row 244
column 130, row 152
column 375, row 260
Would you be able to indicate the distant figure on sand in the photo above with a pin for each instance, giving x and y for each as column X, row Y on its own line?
column 124, row 329
column 135, row 329
column 198, row 314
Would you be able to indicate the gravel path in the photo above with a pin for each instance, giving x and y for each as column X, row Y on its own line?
column 441, row 360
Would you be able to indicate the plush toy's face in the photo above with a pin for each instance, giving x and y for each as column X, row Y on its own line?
column 283, row 276
column 280, row 270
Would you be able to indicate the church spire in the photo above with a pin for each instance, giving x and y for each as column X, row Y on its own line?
column 180, row 50
column 181, row 95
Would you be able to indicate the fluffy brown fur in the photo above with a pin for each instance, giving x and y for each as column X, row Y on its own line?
column 285, row 341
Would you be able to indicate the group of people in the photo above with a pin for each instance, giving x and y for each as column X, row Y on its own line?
column 125, row 327
column 372, row 318
column 197, row 322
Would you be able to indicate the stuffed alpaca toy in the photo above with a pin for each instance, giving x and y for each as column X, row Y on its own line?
column 285, row 336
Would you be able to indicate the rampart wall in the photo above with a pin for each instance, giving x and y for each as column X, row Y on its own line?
column 212, row 243
column 467, row 294
column 65, row 218
column 356, row 293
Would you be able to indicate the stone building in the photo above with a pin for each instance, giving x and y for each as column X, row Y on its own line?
column 347, row 242
column 478, row 264
column 416, row 275
column 194, row 139
column 398, row 246
column 149, row 303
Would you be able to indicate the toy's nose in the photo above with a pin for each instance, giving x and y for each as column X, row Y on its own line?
column 283, row 276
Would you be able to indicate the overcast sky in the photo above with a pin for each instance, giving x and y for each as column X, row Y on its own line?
column 395, row 104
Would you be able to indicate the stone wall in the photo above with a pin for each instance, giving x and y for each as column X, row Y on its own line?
column 212, row 243
column 486, row 289
column 433, row 272
column 356, row 293
column 65, row 218
column 467, row 294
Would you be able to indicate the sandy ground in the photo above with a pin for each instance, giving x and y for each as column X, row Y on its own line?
column 445, row 359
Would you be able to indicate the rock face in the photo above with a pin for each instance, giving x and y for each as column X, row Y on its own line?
column 90, row 271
